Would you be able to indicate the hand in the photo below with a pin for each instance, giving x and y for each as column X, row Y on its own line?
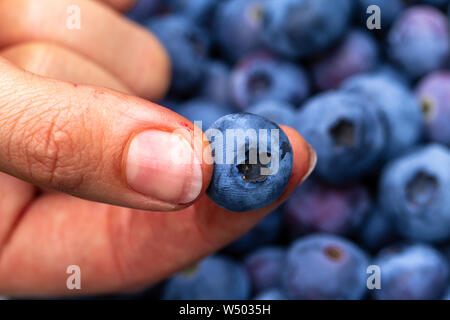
column 62, row 130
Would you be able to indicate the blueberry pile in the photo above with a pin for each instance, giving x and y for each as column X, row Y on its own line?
column 373, row 221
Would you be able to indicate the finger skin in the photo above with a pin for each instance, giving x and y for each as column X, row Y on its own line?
column 120, row 249
column 15, row 196
column 73, row 138
column 121, row 5
column 123, row 48
column 55, row 62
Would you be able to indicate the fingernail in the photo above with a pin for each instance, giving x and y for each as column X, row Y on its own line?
column 312, row 162
column 162, row 165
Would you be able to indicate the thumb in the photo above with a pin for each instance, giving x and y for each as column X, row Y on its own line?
column 98, row 144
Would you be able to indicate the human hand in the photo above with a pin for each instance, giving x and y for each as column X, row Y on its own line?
column 67, row 125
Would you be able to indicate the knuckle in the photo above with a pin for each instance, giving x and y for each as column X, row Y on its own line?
column 51, row 152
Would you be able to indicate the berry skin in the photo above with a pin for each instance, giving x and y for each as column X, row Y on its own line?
column 415, row 192
column 399, row 107
column 347, row 132
column 419, row 40
column 325, row 267
column 276, row 111
column 315, row 207
column 301, row 28
column 203, row 110
column 264, row 233
column 238, row 27
column 411, row 272
column 434, row 94
column 216, row 83
column 187, row 45
column 260, row 77
column 264, row 268
column 357, row 53
column 257, row 171
column 214, row 278
column 271, row 294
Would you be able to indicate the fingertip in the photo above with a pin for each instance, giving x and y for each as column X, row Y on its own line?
column 305, row 159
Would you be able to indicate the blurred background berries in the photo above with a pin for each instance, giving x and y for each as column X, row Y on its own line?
column 375, row 105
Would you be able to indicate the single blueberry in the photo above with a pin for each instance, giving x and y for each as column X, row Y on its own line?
column 188, row 47
column 399, row 107
column 264, row 267
column 253, row 162
column 316, row 207
column 415, row 192
column 261, row 76
column 347, row 132
column 264, row 233
column 419, row 40
column 238, row 27
column 357, row 53
column 411, row 272
column 203, row 110
column 301, row 28
column 214, row 278
column 325, row 267
column 279, row 112
column 434, row 94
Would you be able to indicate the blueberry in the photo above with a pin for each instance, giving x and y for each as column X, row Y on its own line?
column 411, row 272
column 216, row 82
column 264, row 268
column 238, row 27
column 203, row 110
column 315, row 207
column 415, row 192
column 357, row 53
column 377, row 230
column 390, row 9
column 347, row 132
column 434, row 94
column 419, row 40
column 214, row 278
column 253, row 162
column 144, row 9
column 301, row 28
column 325, row 267
column 264, row 233
column 187, row 45
column 399, row 107
column 271, row 294
column 200, row 11
column 261, row 77
column 276, row 111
